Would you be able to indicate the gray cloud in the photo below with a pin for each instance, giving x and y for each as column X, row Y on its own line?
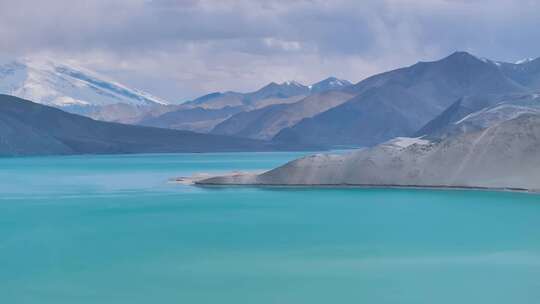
column 180, row 49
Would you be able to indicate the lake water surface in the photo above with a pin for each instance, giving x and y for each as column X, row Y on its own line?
column 111, row 229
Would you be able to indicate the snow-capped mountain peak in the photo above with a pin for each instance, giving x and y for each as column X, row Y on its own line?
column 59, row 84
column 292, row 83
column 330, row 83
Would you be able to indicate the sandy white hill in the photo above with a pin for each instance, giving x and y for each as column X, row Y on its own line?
column 506, row 155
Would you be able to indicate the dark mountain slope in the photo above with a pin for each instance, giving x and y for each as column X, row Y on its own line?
column 27, row 128
column 192, row 119
column 399, row 102
column 266, row 122
column 381, row 114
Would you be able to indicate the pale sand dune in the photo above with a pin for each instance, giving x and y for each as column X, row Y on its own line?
column 505, row 156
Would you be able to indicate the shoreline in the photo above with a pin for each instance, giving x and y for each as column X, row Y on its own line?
column 374, row 186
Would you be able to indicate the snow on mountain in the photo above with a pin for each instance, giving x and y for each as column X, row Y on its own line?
column 274, row 90
column 62, row 85
column 292, row 83
column 330, row 83
column 404, row 142
column 502, row 111
column 522, row 61
column 492, row 115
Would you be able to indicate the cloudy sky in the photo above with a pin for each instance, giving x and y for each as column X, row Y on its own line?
column 179, row 49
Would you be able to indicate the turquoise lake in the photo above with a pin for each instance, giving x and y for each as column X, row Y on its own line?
column 112, row 229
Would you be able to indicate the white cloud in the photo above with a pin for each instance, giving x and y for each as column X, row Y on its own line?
column 183, row 48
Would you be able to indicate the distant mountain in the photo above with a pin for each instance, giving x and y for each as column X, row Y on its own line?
column 195, row 119
column 524, row 72
column 61, row 85
column 399, row 102
column 472, row 113
column 365, row 120
column 475, row 112
column 205, row 112
column 217, row 100
column 28, row 128
column 328, row 84
column 502, row 156
column 273, row 93
column 215, row 108
column 266, row 122
column 274, row 90
column 76, row 90
column 122, row 112
column 270, row 94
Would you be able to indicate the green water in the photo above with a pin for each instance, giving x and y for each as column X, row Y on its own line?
column 111, row 229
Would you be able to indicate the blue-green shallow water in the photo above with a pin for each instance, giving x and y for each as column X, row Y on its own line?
column 110, row 229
